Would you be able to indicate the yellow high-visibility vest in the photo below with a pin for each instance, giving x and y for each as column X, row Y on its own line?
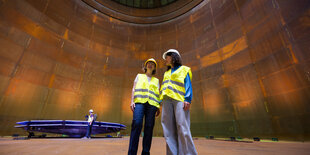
column 173, row 84
column 147, row 92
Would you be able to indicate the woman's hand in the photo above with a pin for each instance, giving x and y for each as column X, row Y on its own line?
column 157, row 112
column 186, row 105
column 132, row 107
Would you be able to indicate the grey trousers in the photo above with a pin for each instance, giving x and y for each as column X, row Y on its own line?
column 176, row 127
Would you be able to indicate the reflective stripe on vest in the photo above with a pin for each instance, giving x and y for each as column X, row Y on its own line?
column 173, row 84
column 146, row 91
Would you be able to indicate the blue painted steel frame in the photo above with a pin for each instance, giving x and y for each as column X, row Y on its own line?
column 72, row 128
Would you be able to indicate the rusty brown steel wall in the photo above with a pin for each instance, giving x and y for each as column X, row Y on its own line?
column 59, row 59
column 250, row 63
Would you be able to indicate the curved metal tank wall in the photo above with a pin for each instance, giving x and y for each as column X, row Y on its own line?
column 60, row 58
column 251, row 68
column 250, row 63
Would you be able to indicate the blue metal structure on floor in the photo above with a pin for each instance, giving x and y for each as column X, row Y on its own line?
column 72, row 128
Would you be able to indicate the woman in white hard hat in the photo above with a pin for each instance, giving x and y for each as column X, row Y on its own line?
column 176, row 95
column 90, row 121
column 144, row 104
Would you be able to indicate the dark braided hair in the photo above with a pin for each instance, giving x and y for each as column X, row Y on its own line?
column 176, row 60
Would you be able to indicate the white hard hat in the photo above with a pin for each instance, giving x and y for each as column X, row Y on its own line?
column 170, row 50
column 91, row 110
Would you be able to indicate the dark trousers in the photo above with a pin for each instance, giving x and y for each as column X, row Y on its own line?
column 88, row 133
column 142, row 110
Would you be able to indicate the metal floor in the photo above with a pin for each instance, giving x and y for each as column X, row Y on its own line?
column 119, row 146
